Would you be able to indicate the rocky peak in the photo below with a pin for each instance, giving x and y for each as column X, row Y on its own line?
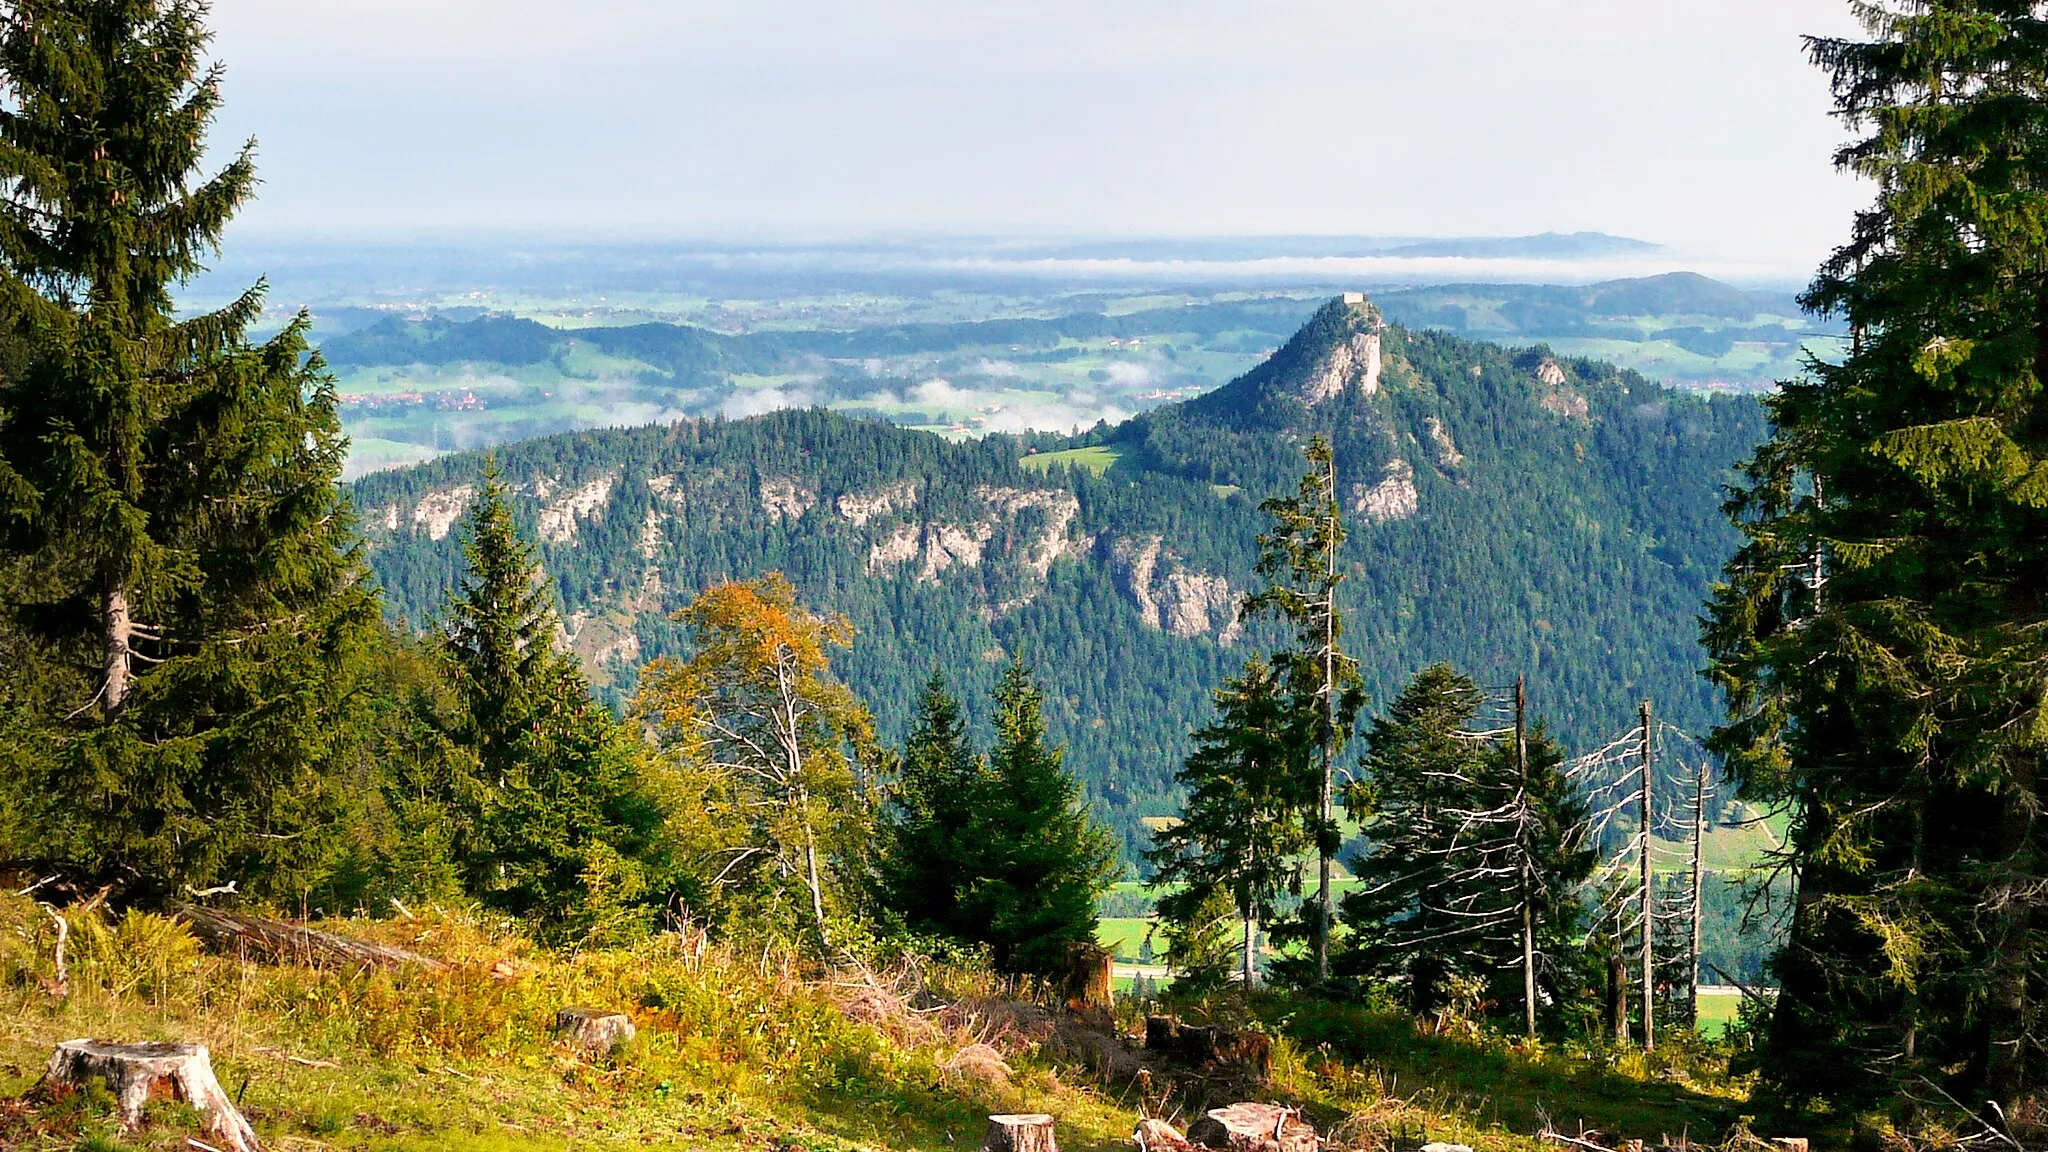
column 1354, row 358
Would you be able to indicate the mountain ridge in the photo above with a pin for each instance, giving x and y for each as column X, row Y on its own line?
column 1469, row 469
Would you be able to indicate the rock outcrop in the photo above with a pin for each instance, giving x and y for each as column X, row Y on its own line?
column 857, row 508
column 1558, row 397
column 1391, row 497
column 786, row 498
column 558, row 517
column 1447, row 454
column 941, row 545
column 1357, row 360
column 437, row 512
column 1059, row 508
column 1170, row 598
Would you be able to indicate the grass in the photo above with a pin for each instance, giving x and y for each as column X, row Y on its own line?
column 1123, row 935
column 1493, row 1086
column 1718, row 1011
column 739, row 1047
column 741, row 1050
column 1096, row 458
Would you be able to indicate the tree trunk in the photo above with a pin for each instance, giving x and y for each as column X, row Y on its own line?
column 1030, row 1132
column 1251, row 944
column 2010, row 1035
column 1328, row 808
column 1617, row 996
column 1159, row 1136
column 1649, row 994
column 1528, row 883
column 228, row 931
column 816, row 885
column 139, row 1073
column 1528, row 959
column 792, row 736
column 120, row 630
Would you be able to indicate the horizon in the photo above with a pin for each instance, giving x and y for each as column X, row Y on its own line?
column 796, row 122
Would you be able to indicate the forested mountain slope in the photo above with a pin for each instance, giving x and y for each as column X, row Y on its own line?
column 1512, row 512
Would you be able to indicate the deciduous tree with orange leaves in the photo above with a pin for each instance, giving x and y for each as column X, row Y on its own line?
column 793, row 752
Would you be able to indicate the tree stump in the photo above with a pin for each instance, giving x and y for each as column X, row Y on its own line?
column 1159, row 1136
column 139, row 1073
column 1254, row 1128
column 594, row 1029
column 1089, row 981
column 1029, row 1132
column 1162, row 1033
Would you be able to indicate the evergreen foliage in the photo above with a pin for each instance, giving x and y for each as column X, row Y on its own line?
column 1460, row 839
column 547, row 819
column 1199, row 950
column 936, row 827
column 1300, row 558
column 1049, row 861
column 1574, row 549
column 1249, row 817
column 178, row 554
column 1879, row 633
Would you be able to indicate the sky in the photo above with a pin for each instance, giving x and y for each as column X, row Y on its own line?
column 1698, row 126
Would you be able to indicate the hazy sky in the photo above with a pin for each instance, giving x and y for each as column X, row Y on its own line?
column 1700, row 126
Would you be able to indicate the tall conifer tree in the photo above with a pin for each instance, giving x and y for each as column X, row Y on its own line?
column 1881, row 635
column 1462, row 842
column 937, row 836
column 169, row 489
column 551, row 823
column 1049, row 860
column 1300, row 560
column 1242, row 832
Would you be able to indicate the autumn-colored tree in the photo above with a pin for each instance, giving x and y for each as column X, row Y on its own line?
column 794, row 750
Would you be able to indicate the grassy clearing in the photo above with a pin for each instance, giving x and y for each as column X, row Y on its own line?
column 740, row 1047
column 1097, row 459
column 1718, row 1010
column 1123, row 935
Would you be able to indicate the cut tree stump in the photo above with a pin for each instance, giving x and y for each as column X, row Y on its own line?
column 139, row 1073
column 593, row 1028
column 1162, row 1033
column 1028, row 1132
column 233, row 932
column 1089, row 981
column 1159, row 1136
column 1254, row 1128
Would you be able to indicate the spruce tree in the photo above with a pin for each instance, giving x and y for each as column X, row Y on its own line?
column 936, row 834
column 1879, row 635
column 168, row 490
column 549, row 822
column 1299, row 560
column 1242, row 832
column 1048, row 860
column 1463, row 840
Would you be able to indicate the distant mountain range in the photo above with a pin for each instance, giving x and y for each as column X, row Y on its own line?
column 1513, row 511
